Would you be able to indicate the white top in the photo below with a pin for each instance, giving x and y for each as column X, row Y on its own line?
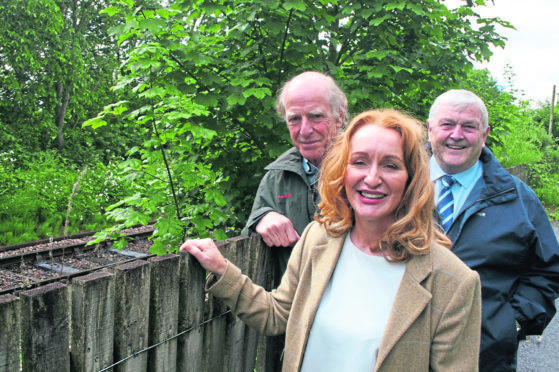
column 351, row 317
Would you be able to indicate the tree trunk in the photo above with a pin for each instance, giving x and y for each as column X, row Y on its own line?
column 62, row 98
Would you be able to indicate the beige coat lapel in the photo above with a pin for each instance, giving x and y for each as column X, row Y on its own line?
column 325, row 256
column 410, row 301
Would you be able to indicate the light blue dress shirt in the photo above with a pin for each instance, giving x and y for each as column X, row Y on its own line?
column 465, row 182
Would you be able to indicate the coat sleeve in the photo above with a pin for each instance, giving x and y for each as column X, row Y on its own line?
column 267, row 312
column 265, row 201
column 456, row 342
column 533, row 296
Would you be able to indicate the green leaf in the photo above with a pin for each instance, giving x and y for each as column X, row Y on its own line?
column 165, row 13
column 120, row 243
column 294, row 4
column 379, row 54
column 153, row 25
column 216, row 196
column 398, row 69
column 220, row 235
column 110, row 11
column 257, row 92
column 201, row 223
column 206, row 99
column 94, row 123
column 158, row 247
column 162, row 226
column 377, row 21
column 396, row 4
column 236, row 99
column 154, row 92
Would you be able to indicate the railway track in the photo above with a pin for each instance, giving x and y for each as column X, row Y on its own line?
column 30, row 265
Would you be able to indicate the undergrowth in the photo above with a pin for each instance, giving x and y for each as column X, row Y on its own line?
column 36, row 200
column 530, row 144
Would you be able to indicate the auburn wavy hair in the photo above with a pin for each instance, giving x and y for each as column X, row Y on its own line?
column 414, row 228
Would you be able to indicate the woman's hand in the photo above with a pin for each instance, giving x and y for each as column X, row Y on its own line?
column 207, row 254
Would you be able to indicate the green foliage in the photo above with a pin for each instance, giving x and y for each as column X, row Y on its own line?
column 542, row 153
column 526, row 142
column 199, row 79
column 58, row 66
column 35, row 197
column 191, row 109
column 541, row 116
column 530, row 144
column 522, row 135
column 500, row 106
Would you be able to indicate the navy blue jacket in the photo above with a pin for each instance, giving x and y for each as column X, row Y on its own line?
column 503, row 232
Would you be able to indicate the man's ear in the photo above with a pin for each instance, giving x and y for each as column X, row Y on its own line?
column 428, row 131
column 340, row 122
column 486, row 134
column 341, row 118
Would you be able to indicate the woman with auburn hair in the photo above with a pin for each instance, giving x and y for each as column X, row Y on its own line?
column 371, row 283
column 413, row 229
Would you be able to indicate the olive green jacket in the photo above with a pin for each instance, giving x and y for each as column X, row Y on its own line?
column 434, row 323
column 284, row 189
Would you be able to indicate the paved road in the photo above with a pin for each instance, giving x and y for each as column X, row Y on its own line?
column 541, row 354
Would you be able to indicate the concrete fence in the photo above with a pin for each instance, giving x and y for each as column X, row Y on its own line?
column 141, row 316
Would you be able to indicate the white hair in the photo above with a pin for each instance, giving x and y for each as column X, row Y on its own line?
column 460, row 98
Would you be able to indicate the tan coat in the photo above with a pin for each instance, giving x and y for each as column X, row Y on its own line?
column 434, row 324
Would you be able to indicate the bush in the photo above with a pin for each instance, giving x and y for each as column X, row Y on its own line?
column 529, row 143
column 45, row 197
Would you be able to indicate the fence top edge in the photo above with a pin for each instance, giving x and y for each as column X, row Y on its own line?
column 238, row 238
column 131, row 265
column 7, row 298
column 43, row 289
column 92, row 276
column 164, row 257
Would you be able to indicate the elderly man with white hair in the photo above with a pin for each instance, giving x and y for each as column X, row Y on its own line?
column 314, row 108
column 497, row 226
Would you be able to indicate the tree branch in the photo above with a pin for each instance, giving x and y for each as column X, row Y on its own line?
column 166, row 162
column 283, row 46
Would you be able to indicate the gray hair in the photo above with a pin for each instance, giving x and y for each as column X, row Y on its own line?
column 338, row 100
column 460, row 98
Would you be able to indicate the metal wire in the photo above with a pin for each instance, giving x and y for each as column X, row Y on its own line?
column 164, row 341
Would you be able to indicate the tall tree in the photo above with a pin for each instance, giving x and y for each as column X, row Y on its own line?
column 204, row 74
column 500, row 105
column 57, row 61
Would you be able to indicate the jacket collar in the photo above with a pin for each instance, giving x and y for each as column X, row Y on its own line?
column 495, row 177
column 496, row 185
column 291, row 160
column 325, row 255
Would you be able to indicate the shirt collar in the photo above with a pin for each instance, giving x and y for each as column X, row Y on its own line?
column 465, row 178
column 310, row 170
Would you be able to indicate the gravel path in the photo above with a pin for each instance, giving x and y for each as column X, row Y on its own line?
column 542, row 354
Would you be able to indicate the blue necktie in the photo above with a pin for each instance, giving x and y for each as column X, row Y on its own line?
column 445, row 203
